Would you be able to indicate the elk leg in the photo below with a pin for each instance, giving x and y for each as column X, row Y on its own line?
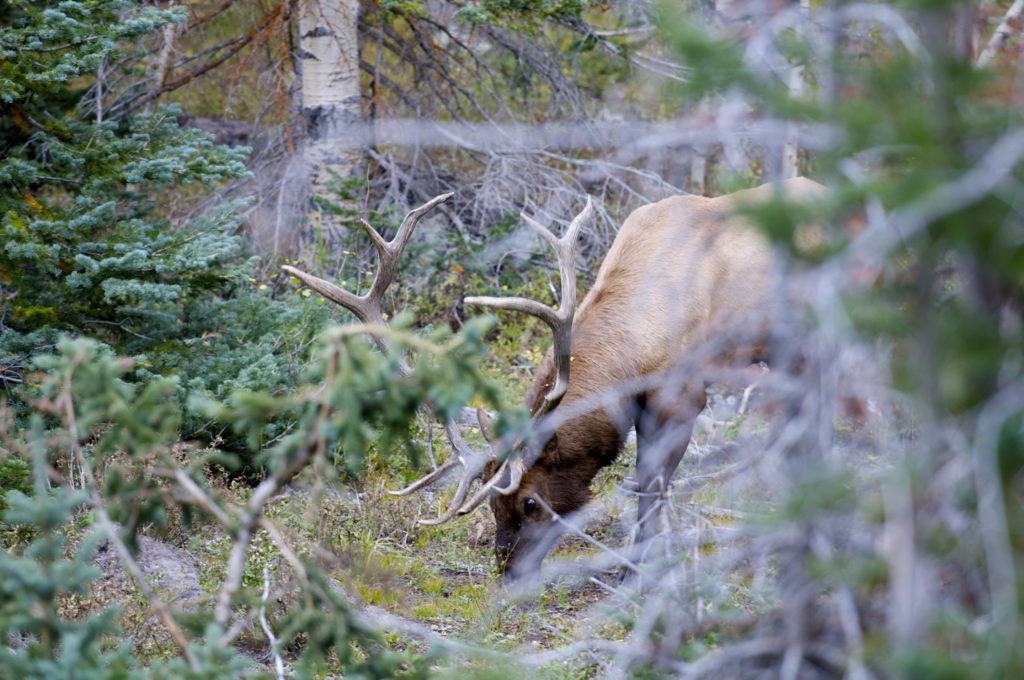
column 663, row 428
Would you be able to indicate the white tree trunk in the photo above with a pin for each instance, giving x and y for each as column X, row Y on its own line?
column 791, row 149
column 797, row 86
column 161, row 62
column 329, row 50
column 1002, row 33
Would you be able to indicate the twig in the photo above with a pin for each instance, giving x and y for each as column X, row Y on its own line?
column 201, row 497
column 1001, row 33
column 113, row 534
column 991, row 170
column 995, row 530
column 278, row 537
column 278, row 663
column 119, row 325
column 577, row 531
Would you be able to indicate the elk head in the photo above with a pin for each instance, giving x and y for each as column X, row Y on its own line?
column 527, row 513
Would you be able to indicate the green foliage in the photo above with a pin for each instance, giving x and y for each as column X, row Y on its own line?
column 42, row 643
column 366, row 398
column 116, row 428
column 48, row 645
column 524, row 14
column 86, row 249
column 15, row 475
column 190, row 341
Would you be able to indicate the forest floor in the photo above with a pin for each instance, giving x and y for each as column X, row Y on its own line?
column 441, row 579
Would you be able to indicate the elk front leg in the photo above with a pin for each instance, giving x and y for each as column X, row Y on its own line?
column 663, row 429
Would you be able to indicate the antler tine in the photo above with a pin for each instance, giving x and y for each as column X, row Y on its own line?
column 461, row 454
column 473, row 466
column 367, row 308
column 453, row 507
column 518, row 469
column 429, row 479
column 559, row 320
column 391, row 251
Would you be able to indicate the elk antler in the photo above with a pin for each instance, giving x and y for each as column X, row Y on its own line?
column 472, row 468
column 560, row 321
column 367, row 309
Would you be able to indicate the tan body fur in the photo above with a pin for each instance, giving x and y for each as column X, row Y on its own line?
column 684, row 280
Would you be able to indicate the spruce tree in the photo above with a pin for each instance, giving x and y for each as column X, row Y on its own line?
column 87, row 244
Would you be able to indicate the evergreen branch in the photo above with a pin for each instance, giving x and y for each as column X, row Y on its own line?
column 113, row 534
column 176, row 244
column 209, row 505
column 63, row 180
column 290, row 555
column 250, row 517
column 201, row 497
column 212, row 14
column 382, row 79
column 231, row 48
column 658, row 66
column 56, row 48
column 119, row 325
column 254, row 509
column 410, row 340
column 991, row 170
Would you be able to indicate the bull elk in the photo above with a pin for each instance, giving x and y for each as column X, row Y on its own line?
column 685, row 283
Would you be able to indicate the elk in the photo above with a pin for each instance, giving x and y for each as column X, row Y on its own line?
column 686, row 284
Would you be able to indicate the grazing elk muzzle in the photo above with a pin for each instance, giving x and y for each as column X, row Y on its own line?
column 525, row 534
column 519, row 554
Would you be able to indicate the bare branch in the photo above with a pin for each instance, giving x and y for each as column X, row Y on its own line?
column 1001, row 34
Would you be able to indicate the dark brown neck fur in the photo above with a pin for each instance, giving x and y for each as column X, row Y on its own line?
column 582, row 445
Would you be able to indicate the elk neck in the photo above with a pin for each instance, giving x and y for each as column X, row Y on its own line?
column 591, row 440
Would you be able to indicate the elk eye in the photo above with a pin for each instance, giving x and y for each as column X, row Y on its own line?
column 529, row 505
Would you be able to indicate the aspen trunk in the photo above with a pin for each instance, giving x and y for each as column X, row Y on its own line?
column 329, row 50
column 791, row 149
column 790, row 162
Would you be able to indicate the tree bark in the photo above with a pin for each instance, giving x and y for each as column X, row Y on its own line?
column 797, row 84
column 1001, row 34
column 791, row 149
column 329, row 51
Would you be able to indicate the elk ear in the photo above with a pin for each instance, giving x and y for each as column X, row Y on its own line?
column 549, row 454
column 490, row 467
column 486, row 424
